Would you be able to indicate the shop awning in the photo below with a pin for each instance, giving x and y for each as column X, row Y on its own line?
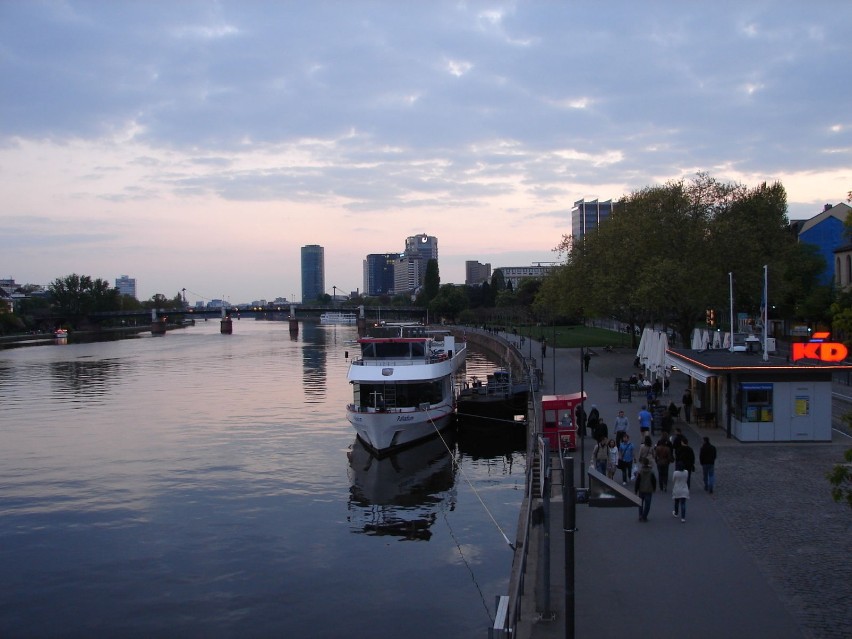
column 696, row 372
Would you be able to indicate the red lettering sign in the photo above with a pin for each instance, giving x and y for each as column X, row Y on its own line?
column 818, row 349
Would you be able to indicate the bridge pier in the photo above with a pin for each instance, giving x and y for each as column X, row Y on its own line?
column 158, row 326
column 226, row 326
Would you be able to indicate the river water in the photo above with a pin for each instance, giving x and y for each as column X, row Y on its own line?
column 204, row 485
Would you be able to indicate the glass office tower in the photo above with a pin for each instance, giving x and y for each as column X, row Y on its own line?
column 313, row 272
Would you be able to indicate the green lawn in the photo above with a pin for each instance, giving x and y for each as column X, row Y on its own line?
column 576, row 336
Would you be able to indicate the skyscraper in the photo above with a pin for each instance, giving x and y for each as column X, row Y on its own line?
column 126, row 285
column 423, row 246
column 419, row 249
column 587, row 217
column 476, row 273
column 379, row 273
column 313, row 272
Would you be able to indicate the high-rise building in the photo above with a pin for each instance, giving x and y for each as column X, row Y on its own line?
column 517, row 274
column 126, row 285
column 408, row 273
column 313, row 272
column 422, row 246
column 587, row 217
column 475, row 273
column 378, row 273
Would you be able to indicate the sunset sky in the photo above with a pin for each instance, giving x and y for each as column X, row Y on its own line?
column 199, row 145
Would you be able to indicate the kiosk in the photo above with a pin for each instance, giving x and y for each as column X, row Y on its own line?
column 559, row 423
column 765, row 399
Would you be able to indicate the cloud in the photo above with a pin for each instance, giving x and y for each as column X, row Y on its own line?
column 480, row 122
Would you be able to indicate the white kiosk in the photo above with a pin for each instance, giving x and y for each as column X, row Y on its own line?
column 759, row 399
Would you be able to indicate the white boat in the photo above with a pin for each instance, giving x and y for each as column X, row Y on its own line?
column 404, row 385
column 336, row 317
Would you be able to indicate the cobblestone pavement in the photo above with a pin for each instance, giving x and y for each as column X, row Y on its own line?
column 776, row 500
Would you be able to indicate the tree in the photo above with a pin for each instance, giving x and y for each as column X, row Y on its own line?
column 840, row 477
column 76, row 296
column 431, row 282
column 665, row 253
column 448, row 303
column 498, row 282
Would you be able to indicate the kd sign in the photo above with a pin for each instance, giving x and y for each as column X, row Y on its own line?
column 816, row 348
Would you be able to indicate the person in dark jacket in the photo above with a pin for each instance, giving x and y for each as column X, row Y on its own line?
column 707, row 459
column 686, row 400
column 592, row 422
column 645, row 486
column 580, row 416
column 686, row 456
column 663, row 455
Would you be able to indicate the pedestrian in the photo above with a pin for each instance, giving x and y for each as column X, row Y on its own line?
column 621, row 426
column 592, row 422
column 680, row 491
column 686, row 400
column 543, row 348
column 663, row 455
column 645, row 419
column 645, row 486
column 612, row 459
column 580, row 415
column 586, row 359
column 646, row 450
column 650, row 397
column 707, row 459
column 686, row 456
column 625, row 451
column 601, row 455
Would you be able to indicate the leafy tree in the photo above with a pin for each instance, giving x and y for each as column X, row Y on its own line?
column 506, row 299
column 450, row 301
column 498, row 282
column 840, row 477
column 75, row 296
column 665, row 254
column 431, row 282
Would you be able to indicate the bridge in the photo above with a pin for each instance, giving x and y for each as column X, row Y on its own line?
column 269, row 312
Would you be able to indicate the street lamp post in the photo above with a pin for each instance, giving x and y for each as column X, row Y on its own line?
column 334, row 295
column 554, row 358
column 582, row 439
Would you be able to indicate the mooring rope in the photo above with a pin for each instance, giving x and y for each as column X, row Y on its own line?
column 464, row 475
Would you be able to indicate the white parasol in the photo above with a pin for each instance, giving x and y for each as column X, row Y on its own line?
column 696, row 339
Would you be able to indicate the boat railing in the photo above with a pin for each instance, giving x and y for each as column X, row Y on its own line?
column 353, row 408
column 415, row 361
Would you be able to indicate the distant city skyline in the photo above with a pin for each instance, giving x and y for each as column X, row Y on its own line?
column 199, row 145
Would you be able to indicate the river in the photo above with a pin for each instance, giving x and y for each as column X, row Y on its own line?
column 207, row 485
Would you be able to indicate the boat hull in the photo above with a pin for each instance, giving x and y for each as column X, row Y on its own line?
column 386, row 431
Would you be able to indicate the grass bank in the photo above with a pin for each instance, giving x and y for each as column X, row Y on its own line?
column 576, row 336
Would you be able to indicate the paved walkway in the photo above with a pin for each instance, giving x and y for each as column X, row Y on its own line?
column 767, row 555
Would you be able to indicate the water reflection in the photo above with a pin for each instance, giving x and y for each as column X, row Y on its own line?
column 85, row 379
column 314, row 370
column 400, row 495
column 486, row 438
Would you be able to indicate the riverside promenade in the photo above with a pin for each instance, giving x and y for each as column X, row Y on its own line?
column 766, row 555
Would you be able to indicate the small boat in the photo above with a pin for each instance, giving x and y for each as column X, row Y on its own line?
column 336, row 317
column 404, row 385
column 60, row 333
column 499, row 398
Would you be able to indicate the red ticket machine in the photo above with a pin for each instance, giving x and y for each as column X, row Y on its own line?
column 559, row 422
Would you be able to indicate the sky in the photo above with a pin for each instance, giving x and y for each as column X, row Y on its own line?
column 198, row 145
